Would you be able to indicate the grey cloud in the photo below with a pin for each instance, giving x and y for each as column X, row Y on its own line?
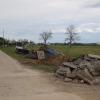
column 26, row 18
column 93, row 28
column 92, row 4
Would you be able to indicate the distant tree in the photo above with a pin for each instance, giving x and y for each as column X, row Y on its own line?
column 1, row 41
column 25, row 41
column 22, row 42
column 7, row 42
column 4, row 42
column 71, row 34
column 12, row 42
column 45, row 36
column 32, row 42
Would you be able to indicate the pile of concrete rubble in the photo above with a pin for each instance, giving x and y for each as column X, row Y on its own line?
column 85, row 69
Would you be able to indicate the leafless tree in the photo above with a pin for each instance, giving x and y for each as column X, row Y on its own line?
column 45, row 36
column 72, row 35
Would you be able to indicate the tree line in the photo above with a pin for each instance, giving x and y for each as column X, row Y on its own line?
column 7, row 42
column 71, row 36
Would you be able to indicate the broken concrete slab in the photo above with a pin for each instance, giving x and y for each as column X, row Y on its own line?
column 67, row 80
column 69, row 64
column 94, row 56
column 84, row 69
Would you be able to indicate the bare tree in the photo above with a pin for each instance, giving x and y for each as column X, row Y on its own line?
column 45, row 36
column 72, row 36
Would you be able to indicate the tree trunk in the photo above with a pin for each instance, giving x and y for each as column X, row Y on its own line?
column 70, row 44
column 45, row 43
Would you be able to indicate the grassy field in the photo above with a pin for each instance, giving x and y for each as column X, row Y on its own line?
column 76, row 51
column 73, row 52
column 11, row 52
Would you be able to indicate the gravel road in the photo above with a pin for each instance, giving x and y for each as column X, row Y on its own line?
column 20, row 83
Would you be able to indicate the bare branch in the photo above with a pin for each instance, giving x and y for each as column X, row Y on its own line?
column 72, row 36
column 45, row 36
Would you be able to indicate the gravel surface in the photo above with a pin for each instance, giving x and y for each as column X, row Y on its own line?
column 20, row 83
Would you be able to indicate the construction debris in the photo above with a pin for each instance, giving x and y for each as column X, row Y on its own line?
column 21, row 50
column 44, row 55
column 41, row 55
column 85, row 69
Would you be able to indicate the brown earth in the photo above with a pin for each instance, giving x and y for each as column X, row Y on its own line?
column 20, row 83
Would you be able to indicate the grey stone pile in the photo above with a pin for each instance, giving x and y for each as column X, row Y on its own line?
column 85, row 69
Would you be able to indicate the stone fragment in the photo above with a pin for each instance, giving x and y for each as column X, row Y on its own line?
column 68, row 80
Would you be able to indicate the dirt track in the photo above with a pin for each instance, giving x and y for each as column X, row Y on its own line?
column 19, row 83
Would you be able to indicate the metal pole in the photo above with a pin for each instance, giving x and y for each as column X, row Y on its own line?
column 3, row 39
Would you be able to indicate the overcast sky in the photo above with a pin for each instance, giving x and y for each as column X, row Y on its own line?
column 28, row 18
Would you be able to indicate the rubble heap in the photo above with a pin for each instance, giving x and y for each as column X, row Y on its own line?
column 85, row 69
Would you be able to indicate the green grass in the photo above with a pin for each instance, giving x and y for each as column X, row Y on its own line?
column 76, row 51
column 73, row 52
column 35, row 47
column 11, row 52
